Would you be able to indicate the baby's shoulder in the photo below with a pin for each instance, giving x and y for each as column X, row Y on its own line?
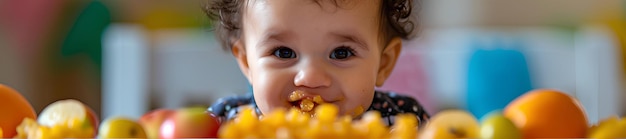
column 390, row 104
column 227, row 107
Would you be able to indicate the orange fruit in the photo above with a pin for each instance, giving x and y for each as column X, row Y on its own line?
column 546, row 113
column 13, row 109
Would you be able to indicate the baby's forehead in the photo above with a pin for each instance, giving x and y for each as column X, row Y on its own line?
column 330, row 5
column 318, row 9
column 307, row 20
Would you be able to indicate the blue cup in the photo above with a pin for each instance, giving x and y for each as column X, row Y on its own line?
column 495, row 78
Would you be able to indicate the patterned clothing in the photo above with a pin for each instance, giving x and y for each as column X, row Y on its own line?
column 389, row 105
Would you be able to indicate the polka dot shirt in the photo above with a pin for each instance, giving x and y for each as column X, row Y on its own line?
column 389, row 105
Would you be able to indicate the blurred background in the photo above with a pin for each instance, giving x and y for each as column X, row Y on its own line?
column 128, row 57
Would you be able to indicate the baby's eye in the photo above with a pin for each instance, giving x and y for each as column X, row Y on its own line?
column 284, row 52
column 342, row 53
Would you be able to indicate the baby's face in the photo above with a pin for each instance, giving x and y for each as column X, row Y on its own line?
column 319, row 49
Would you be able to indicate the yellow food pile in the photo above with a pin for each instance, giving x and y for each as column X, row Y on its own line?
column 324, row 124
column 29, row 128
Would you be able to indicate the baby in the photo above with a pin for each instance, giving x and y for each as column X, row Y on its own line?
column 301, row 53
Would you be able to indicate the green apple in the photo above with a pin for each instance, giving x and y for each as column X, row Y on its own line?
column 496, row 126
column 451, row 124
column 121, row 127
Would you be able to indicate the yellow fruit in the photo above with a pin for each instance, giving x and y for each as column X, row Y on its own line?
column 13, row 109
column 548, row 113
column 121, row 127
column 495, row 126
column 42, row 132
column 58, row 131
column 71, row 114
column 609, row 128
column 452, row 124
column 73, row 129
column 79, row 128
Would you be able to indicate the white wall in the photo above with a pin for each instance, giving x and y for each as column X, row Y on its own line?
column 190, row 68
column 164, row 69
column 584, row 63
column 125, row 71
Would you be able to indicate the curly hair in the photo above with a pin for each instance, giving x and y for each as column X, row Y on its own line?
column 396, row 16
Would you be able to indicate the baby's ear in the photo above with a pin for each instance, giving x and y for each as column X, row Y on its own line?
column 388, row 60
column 242, row 59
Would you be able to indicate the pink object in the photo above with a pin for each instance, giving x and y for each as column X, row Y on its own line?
column 409, row 78
column 26, row 24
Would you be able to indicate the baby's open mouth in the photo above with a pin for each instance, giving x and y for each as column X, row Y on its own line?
column 306, row 104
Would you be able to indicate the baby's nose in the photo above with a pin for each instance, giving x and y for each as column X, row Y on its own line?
column 312, row 77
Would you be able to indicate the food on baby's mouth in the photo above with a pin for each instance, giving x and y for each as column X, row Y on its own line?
column 296, row 95
column 318, row 99
column 305, row 104
column 358, row 111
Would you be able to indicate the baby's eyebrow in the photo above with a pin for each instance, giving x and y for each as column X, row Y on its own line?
column 349, row 37
column 275, row 36
column 282, row 36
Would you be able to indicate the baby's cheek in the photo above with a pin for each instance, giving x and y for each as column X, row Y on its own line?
column 357, row 93
column 358, row 102
column 261, row 97
column 266, row 99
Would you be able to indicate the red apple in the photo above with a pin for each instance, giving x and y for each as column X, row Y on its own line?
column 152, row 121
column 190, row 123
